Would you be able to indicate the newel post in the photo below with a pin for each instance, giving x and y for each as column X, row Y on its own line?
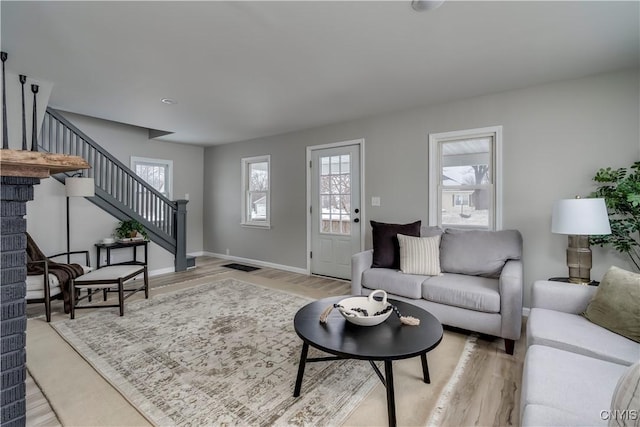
column 181, row 235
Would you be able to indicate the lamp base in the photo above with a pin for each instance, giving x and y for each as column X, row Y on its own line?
column 579, row 259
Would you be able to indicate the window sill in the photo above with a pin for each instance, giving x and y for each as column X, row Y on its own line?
column 254, row 225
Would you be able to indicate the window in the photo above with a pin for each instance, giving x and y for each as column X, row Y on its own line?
column 156, row 172
column 256, row 191
column 464, row 178
column 335, row 194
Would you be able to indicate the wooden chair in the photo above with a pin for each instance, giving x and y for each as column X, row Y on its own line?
column 44, row 287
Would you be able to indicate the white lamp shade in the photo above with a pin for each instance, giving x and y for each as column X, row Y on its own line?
column 580, row 217
column 79, row 187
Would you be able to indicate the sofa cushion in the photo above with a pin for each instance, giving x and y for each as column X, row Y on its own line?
column 419, row 255
column 569, row 382
column 539, row 416
column 394, row 282
column 478, row 252
column 430, row 231
column 626, row 398
column 616, row 304
column 386, row 252
column 470, row 292
column 572, row 332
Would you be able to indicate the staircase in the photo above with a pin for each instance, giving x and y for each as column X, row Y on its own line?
column 118, row 190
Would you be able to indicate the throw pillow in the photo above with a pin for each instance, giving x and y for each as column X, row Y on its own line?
column 616, row 304
column 419, row 255
column 386, row 251
column 625, row 404
column 478, row 252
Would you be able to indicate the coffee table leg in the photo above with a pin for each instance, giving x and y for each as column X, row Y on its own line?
column 425, row 368
column 391, row 402
column 303, row 361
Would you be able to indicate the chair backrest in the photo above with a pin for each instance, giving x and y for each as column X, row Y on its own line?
column 33, row 251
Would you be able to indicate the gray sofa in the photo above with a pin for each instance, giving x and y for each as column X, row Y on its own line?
column 572, row 366
column 480, row 288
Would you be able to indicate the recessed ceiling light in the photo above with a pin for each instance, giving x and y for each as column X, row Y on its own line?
column 168, row 101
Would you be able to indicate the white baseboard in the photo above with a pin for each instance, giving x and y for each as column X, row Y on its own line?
column 525, row 311
column 162, row 271
column 196, row 254
column 257, row 262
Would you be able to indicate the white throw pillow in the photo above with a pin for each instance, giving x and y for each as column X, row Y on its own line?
column 625, row 404
column 420, row 255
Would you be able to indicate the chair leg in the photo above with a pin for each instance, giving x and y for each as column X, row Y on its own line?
column 47, row 299
column 72, row 295
column 509, row 346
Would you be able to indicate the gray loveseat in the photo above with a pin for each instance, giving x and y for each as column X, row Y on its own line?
column 572, row 366
column 480, row 288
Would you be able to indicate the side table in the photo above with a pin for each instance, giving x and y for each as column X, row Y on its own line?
column 566, row 280
column 108, row 247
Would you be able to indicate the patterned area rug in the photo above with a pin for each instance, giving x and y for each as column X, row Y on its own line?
column 219, row 353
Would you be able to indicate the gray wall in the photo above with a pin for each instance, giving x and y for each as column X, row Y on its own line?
column 555, row 137
column 89, row 224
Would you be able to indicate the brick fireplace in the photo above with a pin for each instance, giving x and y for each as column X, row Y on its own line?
column 19, row 172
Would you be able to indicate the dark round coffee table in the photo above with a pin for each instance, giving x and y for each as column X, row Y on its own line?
column 389, row 341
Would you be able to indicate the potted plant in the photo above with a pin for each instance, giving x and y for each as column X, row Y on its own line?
column 129, row 229
column 621, row 190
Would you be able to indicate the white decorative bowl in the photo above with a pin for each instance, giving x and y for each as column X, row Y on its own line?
column 108, row 240
column 352, row 309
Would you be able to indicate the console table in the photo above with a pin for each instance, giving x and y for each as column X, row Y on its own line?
column 108, row 247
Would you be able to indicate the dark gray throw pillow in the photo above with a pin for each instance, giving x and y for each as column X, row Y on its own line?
column 386, row 249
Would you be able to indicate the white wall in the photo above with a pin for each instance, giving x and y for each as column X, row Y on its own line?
column 555, row 137
column 46, row 218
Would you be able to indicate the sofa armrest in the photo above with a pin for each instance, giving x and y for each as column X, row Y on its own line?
column 359, row 263
column 558, row 296
column 511, row 285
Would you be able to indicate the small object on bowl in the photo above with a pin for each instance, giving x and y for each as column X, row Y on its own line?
column 108, row 240
column 365, row 311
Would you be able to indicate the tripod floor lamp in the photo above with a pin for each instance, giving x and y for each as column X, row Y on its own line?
column 77, row 186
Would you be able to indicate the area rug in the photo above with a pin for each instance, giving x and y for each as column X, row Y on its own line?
column 219, row 353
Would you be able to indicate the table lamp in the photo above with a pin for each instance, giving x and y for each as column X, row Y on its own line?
column 77, row 187
column 580, row 218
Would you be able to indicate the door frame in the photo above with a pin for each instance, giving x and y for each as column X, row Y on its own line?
column 360, row 143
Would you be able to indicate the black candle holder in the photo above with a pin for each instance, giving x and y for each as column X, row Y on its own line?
column 5, row 136
column 23, row 80
column 34, row 129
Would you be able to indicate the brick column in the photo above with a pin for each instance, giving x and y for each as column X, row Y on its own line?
column 14, row 194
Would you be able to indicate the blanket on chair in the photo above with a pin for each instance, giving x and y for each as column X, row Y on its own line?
column 64, row 272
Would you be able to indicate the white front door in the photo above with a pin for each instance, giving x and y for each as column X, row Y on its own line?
column 336, row 228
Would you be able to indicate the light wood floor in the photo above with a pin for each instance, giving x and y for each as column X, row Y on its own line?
column 487, row 394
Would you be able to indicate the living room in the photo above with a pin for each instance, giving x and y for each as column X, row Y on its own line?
column 576, row 111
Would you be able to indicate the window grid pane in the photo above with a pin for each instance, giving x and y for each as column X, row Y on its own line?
column 335, row 194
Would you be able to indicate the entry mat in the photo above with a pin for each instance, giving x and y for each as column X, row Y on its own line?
column 241, row 267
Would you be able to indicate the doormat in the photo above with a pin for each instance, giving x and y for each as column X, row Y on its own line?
column 241, row 267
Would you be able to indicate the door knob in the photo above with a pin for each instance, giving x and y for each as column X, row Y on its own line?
column 356, row 220
column 357, row 210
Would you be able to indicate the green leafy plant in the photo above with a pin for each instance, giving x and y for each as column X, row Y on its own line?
column 130, row 228
column 621, row 190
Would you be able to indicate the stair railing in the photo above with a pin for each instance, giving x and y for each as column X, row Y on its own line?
column 118, row 189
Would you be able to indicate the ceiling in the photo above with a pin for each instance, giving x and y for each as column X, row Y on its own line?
column 248, row 69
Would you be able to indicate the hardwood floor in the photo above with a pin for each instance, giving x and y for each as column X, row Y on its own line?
column 487, row 394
